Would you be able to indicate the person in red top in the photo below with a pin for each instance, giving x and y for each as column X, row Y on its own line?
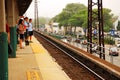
column 8, row 32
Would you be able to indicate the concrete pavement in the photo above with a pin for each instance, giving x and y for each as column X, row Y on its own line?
column 35, row 63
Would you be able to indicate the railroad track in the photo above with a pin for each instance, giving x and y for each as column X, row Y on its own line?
column 94, row 70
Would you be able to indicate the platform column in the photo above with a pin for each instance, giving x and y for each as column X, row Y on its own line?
column 12, row 21
column 3, row 44
column 16, row 20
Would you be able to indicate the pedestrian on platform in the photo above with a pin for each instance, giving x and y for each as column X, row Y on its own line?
column 21, row 32
column 10, row 49
column 17, row 31
column 8, row 32
column 30, row 29
column 21, row 17
column 26, row 25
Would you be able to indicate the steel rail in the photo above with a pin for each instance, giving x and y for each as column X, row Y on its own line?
column 71, row 55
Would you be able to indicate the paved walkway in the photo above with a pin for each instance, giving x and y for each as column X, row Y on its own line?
column 35, row 63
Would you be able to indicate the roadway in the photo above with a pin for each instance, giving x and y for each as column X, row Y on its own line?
column 112, row 59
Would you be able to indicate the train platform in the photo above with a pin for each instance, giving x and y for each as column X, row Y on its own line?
column 34, row 63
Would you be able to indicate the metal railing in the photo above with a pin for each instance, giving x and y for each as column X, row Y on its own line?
column 110, row 58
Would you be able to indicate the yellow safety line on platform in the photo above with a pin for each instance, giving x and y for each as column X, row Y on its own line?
column 32, row 75
column 37, row 48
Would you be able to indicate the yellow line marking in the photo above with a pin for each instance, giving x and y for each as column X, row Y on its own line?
column 32, row 75
column 37, row 48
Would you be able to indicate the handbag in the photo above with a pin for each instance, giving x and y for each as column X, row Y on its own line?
column 10, row 49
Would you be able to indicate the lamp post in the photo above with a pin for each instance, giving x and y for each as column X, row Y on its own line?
column 36, row 23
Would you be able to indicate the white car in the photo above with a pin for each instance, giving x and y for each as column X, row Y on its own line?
column 114, row 51
column 118, row 44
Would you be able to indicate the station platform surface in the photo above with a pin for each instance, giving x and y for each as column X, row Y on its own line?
column 34, row 63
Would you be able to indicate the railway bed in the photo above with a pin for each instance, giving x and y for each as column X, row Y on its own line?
column 82, row 65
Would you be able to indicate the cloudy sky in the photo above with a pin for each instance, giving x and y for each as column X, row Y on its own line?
column 50, row 8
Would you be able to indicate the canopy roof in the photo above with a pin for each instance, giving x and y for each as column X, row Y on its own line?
column 23, row 6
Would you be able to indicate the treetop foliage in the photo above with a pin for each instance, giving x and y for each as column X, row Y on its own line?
column 75, row 14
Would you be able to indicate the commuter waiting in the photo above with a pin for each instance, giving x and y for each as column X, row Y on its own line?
column 8, row 32
column 26, row 25
column 21, row 32
column 30, row 29
column 10, row 49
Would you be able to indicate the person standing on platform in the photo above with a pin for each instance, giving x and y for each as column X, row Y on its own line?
column 8, row 32
column 17, row 31
column 10, row 49
column 30, row 29
column 26, row 25
column 21, row 32
column 21, row 17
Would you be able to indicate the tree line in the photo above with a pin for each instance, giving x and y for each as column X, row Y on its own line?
column 75, row 14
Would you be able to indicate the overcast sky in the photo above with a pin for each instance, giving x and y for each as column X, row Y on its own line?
column 50, row 8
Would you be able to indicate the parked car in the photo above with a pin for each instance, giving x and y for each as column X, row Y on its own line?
column 79, row 40
column 94, row 49
column 84, row 42
column 118, row 44
column 114, row 51
column 69, row 39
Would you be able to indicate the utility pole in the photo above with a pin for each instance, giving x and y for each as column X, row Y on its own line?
column 36, row 22
column 92, row 20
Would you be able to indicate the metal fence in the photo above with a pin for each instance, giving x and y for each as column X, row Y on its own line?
column 110, row 58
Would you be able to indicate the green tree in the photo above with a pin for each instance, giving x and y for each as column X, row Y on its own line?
column 78, row 19
column 44, row 20
column 70, row 12
column 75, row 14
column 108, row 19
column 118, row 27
column 74, row 8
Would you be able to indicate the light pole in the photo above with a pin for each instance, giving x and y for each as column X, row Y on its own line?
column 36, row 23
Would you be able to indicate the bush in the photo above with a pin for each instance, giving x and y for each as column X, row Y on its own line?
column 56, row 36
column 109, row 41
